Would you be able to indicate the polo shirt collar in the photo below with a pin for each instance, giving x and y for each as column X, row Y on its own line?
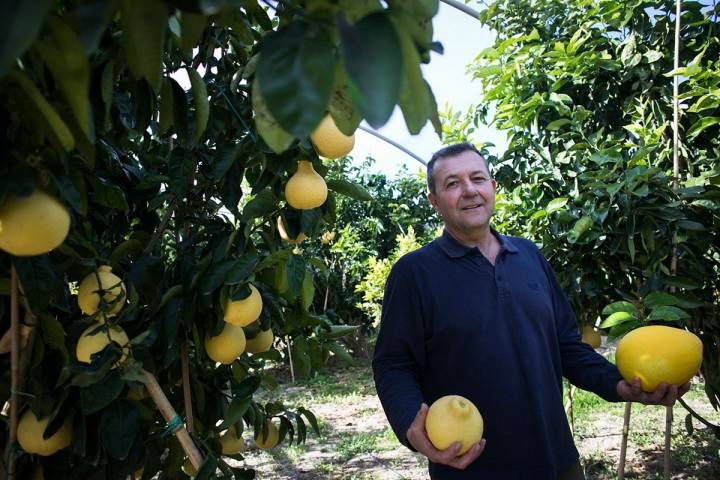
column 455, row 249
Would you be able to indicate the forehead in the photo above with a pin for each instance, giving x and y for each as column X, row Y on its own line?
column 466, row 163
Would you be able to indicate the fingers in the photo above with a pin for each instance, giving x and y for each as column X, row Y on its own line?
column 464, row 460
column 663, row 394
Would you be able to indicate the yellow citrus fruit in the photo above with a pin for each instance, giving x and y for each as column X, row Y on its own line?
column 329, row 141
column 33, row 225
column 451, row 419
column 273, row 435
column 231, row 443
column 95, row 338
column 188, row 468
column 284, row 235
column 243, row 312
column 114, row 296
column 591, row 336
column 260, row 342
column 657, row 354
column 30, row 435
column 227, row 346
column 306, row 189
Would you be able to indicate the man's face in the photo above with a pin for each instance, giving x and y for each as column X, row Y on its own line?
column 464, row 193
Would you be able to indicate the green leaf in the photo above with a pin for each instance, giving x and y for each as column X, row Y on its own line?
column 340, row 352
column 64, row 54
column 414, row 98
column 295, row 273
column 119, row 425
column 107, row 86
column 556, row 204
column 192, row 27
column 372, row 56
column 143, row 38
column 166, row 107
column 659, row 299
column 268, row 128
column 667, row 313
column 215, row 275
column 354, row 10
column 301, row 356
column 21, row 24
column 172, row 292
column 558, row 124
column 237, row 409
column 701, row 125
column 307, row 291
column 341, row 107
column 616, row 319
column 621, row 306
column 337, row 331
column 581, row 226
column 241, row 269
column 263, row 204
column 350, row 189
column 247, row 387
column 690, row 225
column 109, row 195
column 200, row 99
column 179, row 110
column 296, row 72
column 60, row 131
column 95, row 397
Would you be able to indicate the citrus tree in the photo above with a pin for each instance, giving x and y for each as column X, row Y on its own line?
column 584, row 91
column 160, row 164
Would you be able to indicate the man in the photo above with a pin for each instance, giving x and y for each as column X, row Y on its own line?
column 479, row 314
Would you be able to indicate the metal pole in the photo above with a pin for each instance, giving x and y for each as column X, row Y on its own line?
column 392, row 142
column 463, row 8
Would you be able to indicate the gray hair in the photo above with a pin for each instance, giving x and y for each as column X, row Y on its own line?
column 449, row 151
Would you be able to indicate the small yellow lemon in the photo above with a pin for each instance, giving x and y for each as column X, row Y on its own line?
column 591, row 336
column 30, row 435
column 329, row 141
column 231, row 442
column 244, row 312
column 227, row 346
column 657, row 354
column 451, row 419
column 260, row 342
column 114, row 296
column 271, row 440
column 95, row 338
column 284, row 235
column 33, row 225
column 306, row 189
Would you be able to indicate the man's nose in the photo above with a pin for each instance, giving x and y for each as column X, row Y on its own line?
column 469, row 189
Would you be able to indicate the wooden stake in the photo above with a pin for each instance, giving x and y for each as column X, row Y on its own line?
column 569, row 408
column 184, row 365
column 168, row 413
column 668, row 435
column 292, row 369
column 623, row 445
column 14, row 369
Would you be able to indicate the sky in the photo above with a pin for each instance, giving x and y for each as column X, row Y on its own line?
column 463, row 37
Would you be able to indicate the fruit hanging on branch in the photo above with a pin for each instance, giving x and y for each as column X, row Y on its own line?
column 31, row 430
column 306, row 189
column 261, row 342
column 329, row 141
column 245, row 311
column 33, row 225
column 451, row 419
column 114, row 293
column 98, row 336
column 284, row 235
column 268, row 439
column 227, row 346
column 657, row 354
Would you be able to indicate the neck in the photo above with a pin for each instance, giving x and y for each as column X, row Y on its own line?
column 483, row 238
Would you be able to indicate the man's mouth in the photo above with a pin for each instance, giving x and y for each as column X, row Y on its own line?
column 471, row 207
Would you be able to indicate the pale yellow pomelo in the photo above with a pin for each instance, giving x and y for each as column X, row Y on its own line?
column 451, row 419
column 243, row 312
column 33, row 225
column 306, row 189
column 261, row 342
column 269, row 441
column 329, row 141
column 657, row 354
column 284, row 235
column 227, row 346
column 591, row 336
column 95, row 338
column 30, row 435
column 231, row 442
column 89, row 288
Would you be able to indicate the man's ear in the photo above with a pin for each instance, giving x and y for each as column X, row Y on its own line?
column 433, row 201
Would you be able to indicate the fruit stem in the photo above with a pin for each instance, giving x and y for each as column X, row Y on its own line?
column 711, row 426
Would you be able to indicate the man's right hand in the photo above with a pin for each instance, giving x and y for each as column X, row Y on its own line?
column 418, row 438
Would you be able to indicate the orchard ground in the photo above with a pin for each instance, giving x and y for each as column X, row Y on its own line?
column 356, row 442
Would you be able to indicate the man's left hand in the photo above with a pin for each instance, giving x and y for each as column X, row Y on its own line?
column 664, row 394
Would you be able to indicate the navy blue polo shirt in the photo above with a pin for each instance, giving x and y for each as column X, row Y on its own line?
column 503, row 336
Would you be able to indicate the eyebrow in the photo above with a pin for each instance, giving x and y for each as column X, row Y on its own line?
column 472, row 174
